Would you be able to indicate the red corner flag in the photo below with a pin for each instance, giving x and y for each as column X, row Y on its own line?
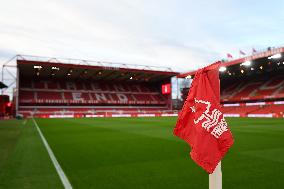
column 201, row 123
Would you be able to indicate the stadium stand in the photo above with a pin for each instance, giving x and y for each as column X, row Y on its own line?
column 59, row 89
column 5, row 106
column 252, row 90
column 70, row 92
column 261, row 88
column 51, row 87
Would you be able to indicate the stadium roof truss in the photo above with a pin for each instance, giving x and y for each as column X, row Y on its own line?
column 32, row 66
column 9, row 76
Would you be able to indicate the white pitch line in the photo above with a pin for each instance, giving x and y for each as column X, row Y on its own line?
column 60, row 172
column 24, row 122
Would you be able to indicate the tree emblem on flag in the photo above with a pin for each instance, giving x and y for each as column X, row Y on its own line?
column 213, row 121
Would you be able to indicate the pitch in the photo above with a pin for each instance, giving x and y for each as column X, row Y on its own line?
column 124, row 153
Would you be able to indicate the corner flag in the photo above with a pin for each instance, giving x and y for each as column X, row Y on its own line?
column 201, row 123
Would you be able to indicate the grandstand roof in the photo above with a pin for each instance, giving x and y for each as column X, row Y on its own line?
column 33, row 66
column 256, row 56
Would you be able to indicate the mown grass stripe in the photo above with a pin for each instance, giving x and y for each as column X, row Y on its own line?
column 59, row 170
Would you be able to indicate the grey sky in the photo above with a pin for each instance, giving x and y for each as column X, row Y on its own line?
column 181, row 34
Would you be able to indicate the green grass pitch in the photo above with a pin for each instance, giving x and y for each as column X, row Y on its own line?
column 134, row 153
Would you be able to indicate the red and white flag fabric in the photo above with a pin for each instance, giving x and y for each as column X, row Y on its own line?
column 242, row 52
column 229, row 55
column 201, row 123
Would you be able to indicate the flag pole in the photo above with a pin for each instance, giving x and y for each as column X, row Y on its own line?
column 215, row 179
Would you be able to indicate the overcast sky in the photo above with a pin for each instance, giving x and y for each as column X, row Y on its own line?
column 181, row 34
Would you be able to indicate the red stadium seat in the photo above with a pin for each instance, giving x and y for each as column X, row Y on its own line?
column 263, row 88
column 110, row 97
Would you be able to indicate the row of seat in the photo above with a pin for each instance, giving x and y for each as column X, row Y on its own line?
column 88, row 92
column 90, row 98
column 260, row 88
column 94, row 86
column 256, row 109
column 43, row 110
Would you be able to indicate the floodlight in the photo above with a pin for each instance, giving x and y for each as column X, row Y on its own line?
column 37, row 67
column 276, row 56
column 222, row 69
column 54, row 68
column 246, row 63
